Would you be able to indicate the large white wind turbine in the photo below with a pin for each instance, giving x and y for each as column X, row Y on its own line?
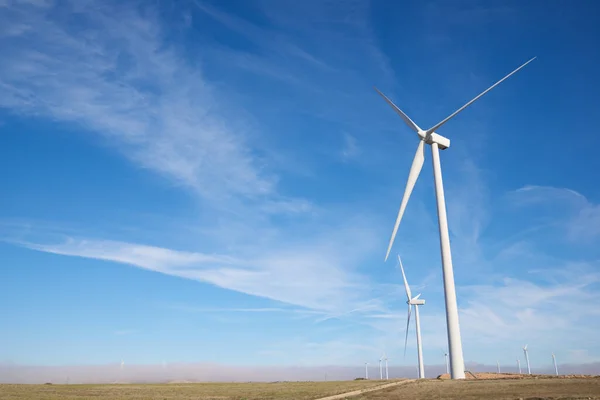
column 527, row 359
column 413, row 301
column 438, row 142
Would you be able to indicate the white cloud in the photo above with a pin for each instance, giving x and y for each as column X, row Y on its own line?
column 579, row 217
column 314, row 276
column 121, row 78
column 350, row 148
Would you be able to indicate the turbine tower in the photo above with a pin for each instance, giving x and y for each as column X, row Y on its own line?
column 498, row 366
column 413, row 301
column 380, row 368
column 555, row 366
column 527, row 359
column 366, row 370
column 387, row 376
column 447, row 366
column 438, row 142
column 519, row 365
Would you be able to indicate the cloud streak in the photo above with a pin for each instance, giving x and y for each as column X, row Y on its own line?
column 282, row 276
column 121, row 78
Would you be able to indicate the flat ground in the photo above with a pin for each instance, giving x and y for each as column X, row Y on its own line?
column 187, row 391
column 497, row 389
column 541, row 388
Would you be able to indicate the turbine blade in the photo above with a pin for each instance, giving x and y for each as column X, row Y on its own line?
column 415, row 170
column 407, row 326
column 408, row 294
column 431, row 130
column 404, row 117
column 417, row 297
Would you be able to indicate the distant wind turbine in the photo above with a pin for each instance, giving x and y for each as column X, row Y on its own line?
column 387, row 376
column 438, row 142
column 122, row 364
column 498, row 366
column 366, row 370
column 447, row 366
column 519, row 365
column 555, row 366
column 380, row 368
column 527, row 359
column 413, row 301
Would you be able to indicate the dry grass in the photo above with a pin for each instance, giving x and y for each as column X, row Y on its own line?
column 498, row 389
column 492, row 389
column 196, row 391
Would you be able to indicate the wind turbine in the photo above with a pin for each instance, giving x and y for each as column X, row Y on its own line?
column 498, row 366
column 438, row 142
column 519, row 365
column 527, row 359
column 447, row 366
column 554, row 361
column 387, row 376
column 366, row 370
column 413, row 301
column 380, row 368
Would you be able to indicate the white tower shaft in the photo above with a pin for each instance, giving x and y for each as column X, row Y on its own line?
column 457, row 364
column 555, row 366
column 387, row 376
column 366, row 370
column 447, row 365
column 380, row 370
column 419, row 346
column 527, row 361
column 519, row 365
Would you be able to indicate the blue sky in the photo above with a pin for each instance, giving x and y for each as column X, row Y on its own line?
column 217, row 181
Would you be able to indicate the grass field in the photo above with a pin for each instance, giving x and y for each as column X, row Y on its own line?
column 538, row 389
column 188, row 391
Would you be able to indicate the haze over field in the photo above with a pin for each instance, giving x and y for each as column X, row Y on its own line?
column 223, row 373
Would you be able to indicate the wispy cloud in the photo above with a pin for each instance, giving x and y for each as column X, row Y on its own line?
column 284, row 275
column 350, row 148
column 579, row 217
column 121, row 78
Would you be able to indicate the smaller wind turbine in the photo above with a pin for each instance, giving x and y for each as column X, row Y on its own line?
column 519, row 365
column 380, row 368
column 366, row 370
column 527, row 359
column 447, row 365
column 554, row 361
column 387, row 376
column 413, row 301
column 498, row 366
column 122, row 364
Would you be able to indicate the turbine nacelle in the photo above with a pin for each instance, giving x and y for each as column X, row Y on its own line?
column 443, row 142
column 416, row 302
column 432, row 137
